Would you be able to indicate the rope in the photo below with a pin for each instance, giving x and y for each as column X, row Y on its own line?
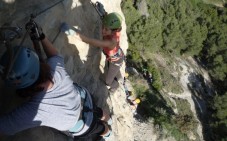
column 32, row 16
column 37, row 14
column 56, row 36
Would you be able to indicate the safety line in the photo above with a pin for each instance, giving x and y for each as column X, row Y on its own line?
column 10, row 65
column 48, row 8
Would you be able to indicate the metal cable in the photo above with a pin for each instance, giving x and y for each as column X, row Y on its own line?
column 11, row 53
column 48, row 8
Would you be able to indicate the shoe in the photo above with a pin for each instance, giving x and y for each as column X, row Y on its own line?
column 110, row 121
column 107, row 135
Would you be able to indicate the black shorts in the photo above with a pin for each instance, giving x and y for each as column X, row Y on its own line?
column 97, row 126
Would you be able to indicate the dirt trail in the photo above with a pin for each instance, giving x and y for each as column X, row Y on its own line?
column 187, row 69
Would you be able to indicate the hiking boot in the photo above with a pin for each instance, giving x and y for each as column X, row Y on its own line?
column 107, row 133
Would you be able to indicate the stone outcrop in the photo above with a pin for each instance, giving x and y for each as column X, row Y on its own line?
column 85, row 64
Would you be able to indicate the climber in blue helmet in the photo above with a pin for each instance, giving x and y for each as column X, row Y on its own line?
column 54, row 100
column 25, row 70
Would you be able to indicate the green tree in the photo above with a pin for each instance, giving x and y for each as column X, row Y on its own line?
column 220, row 126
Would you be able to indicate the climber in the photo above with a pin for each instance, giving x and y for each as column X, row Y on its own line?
column 110, row 45
column 124, row 84
column 144, row 70
column 54, row 100
column 134, row 105
column 133, row 101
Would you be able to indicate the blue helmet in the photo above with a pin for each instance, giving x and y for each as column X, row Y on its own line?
column 25, row 70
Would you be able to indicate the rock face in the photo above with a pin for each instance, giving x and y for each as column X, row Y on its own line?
column 84, row 63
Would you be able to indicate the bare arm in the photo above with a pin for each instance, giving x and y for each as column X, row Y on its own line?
column 48, row 48
column 95, row 42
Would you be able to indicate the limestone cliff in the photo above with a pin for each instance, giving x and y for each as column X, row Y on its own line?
column 84, row 63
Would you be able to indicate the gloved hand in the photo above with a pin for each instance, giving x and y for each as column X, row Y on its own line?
column 99, row 6
column 35, row 31
column 66, row 29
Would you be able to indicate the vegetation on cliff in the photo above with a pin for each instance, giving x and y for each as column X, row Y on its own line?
column 182, row 28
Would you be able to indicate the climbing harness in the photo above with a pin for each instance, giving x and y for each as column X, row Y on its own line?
column 86, row 110
column 113, row 58
column 99, row 9
column 82, row 129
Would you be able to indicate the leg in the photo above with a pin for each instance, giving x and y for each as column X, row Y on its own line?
column 99, row 128
column 103, row 115
column 111, row 74
column 119, row 77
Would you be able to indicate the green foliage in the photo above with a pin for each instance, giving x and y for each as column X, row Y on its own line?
column 144, row 33
column 182, row 27
column 134, row 55
column 221, row 107
column 170, row 83
column 175, row 132
column 128, row 9
column 220, row 69
column 154, row 105
column 185, row 120
column 220, row 126
column 214, row 51
column 156, row 76
column 157, row 84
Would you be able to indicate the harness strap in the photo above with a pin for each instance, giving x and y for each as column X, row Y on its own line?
column 78, row 130
column 116, row 56
column 80, row 123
